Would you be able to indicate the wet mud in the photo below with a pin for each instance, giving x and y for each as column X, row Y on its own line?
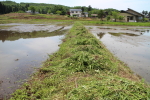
column 129, row 44
column 23, row 49
column 31, row 27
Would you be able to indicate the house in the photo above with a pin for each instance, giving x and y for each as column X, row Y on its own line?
column 75, row 12
column 131, row 15
column 78, row 13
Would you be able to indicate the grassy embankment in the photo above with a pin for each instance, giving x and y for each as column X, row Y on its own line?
column 60, row 19
column 108, row 23
column 83, row 69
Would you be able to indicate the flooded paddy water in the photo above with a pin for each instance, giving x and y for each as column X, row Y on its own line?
column 130, row 44
column 23, row 47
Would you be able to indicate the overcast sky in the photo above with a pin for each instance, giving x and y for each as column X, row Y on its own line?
column 138, row 5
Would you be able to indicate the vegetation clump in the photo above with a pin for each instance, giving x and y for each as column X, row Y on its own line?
column 83, row 69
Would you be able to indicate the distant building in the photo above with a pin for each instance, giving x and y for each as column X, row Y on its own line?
column 94, row 15
column 75, row 12
column 78, row 13
column 131, row 15
column 85, row 14
column 29, row 11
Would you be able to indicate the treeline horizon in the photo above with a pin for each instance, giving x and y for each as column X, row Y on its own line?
column 44, row 8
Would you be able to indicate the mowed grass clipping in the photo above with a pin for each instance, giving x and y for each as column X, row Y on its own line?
column 83, row 69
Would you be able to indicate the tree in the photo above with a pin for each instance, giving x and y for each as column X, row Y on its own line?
column 115, row 15
column 108, row 17
column 101, row 14
column 89, row 8
column 63, row 11
column 32, row 9
column 143, row 12
column 149, row 14
column 1, row 7
column 49, row 11
column 39, row 11
column 145, row 19
column 82, row 8
column 121, row 18
column 146, row 12
column 109, row 10
column 94, row 11
column 42, row 11
column 58, row 12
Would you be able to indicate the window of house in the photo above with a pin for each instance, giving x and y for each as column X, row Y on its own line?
column 139, row 18
column 131, row 18
column 72, row 12
column 76, row 11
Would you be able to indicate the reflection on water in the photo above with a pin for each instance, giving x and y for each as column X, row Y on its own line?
column 147, row 33
column 129, row 44
column 101, row 34
column 12, row 35
column 20, row 53
column 120, row 33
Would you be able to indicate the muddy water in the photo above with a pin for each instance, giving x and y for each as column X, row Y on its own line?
column 22, row 50
column 129, row 44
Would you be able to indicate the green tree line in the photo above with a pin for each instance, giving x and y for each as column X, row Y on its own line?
column 11, row 6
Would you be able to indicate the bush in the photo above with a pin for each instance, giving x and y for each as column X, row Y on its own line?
column 20, row 11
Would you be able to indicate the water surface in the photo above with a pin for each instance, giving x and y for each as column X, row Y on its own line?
column 129, row 44
column 23, row 50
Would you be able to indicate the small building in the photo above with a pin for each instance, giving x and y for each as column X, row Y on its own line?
column 29, row 11
column 131, row 15
column 94, row 15
column 75, row 12
column 85, row 14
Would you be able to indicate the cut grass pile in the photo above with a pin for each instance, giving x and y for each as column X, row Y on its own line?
column 83, row 69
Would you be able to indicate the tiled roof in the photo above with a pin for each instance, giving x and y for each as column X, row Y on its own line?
column 122, row 11
column 135, row 11
column 85, row 12
column 128, row 11
column 75, row 10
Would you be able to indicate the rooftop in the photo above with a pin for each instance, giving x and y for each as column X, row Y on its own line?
column 75, row 10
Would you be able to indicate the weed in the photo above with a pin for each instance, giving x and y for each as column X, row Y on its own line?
column 83, row 69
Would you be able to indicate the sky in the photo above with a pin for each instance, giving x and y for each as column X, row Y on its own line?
column 137, row 5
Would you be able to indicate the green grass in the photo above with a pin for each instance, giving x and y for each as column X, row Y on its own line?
column 119, row 34
column 83, row 69
column 44, row 18
column 115, row 23
column 34, row 19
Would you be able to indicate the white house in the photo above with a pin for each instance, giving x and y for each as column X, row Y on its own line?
column 78, row 13
column 75, row 12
